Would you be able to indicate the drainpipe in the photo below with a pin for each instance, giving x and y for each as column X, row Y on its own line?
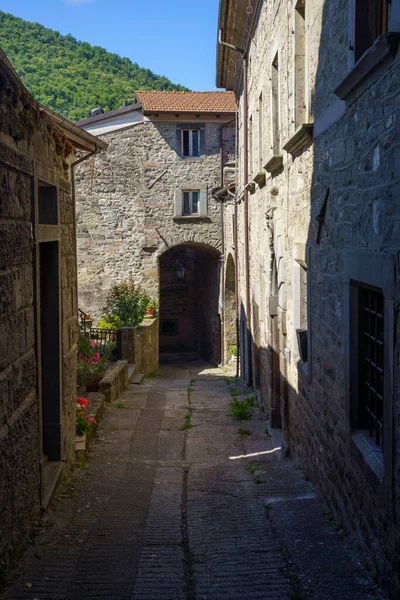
column 221, row 155
column 73, row 165
column 246, row 213
column 246, row 222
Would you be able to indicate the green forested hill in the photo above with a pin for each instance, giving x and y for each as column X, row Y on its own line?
column 70, row 76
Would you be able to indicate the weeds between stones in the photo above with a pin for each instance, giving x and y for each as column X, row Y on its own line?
column 187, row 424
column 244, row 433
column 120, row 405
column 240, row 410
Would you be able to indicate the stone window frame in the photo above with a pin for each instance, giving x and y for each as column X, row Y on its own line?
column 203, row 201
column 378, row 270
column 302, row 258
column 393, row 24
column 179, row 150
column 376, row 59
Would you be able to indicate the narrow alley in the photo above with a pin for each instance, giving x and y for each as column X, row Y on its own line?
column 175, row 503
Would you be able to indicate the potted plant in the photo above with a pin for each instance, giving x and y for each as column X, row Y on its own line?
column 83, row 424
column 91, row 365
column 151, row 308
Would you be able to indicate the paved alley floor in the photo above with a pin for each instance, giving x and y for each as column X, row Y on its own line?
column 176, row 504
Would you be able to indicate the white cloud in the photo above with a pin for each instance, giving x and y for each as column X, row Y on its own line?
column 78, row 2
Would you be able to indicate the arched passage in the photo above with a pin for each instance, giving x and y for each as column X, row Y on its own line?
column 189, row 290
column 230, row 307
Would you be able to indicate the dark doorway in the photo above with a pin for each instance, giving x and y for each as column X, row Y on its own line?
column 50, row 349
column 189, row 292
column 230, row 309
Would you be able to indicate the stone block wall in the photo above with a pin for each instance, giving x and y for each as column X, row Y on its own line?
column 139, row 345
column 354, row 153
column 28, row 153
column 126, row 203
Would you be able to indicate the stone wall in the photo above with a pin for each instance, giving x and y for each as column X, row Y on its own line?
column 139, row 346
column 126, row 204
column 30, row 155
column 354, row 153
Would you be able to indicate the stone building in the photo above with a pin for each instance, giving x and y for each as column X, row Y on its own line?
column 315, row 244
column 146, row 208
column 38, row 305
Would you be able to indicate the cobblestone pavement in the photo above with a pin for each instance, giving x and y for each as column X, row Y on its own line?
column 164, row 512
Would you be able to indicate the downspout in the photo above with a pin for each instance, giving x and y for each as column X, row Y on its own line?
column 73, row 165
column 241, row 51
column 221, row 176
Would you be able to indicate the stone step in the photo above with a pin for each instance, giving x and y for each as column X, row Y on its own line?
column 138, row 379
column 131, row 371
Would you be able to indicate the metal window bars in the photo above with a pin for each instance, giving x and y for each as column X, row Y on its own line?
column 371, row 361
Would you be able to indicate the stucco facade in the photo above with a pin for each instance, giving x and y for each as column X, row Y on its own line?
column 317, row 176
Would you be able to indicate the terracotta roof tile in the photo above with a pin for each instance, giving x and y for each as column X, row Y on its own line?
column 201, row 102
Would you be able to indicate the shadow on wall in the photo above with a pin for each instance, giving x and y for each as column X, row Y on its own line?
column 189, row 291
column 352, row 254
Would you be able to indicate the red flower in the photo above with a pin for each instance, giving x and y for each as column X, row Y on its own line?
column 82, row 401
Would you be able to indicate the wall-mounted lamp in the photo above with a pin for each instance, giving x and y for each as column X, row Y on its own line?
column 180, row 271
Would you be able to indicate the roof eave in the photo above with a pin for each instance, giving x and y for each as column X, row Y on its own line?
column 148, row 113
column 78, row 137
column 108, row 115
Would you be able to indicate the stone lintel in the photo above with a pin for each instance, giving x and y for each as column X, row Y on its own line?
column 301, row 137
column 274, row 163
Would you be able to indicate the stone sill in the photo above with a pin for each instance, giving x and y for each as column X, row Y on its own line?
column 191, row 219
column 192, row 158
column 370, row 457
column 250, row 187
column 301, row 137
column 260, row 178
column 372, row 64
column 274, row 163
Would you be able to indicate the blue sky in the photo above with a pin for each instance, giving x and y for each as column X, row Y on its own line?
column 175, row 38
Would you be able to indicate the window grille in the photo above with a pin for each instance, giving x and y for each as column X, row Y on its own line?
column 371, row 361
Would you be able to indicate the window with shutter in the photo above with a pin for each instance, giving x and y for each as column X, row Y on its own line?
column 371, row 22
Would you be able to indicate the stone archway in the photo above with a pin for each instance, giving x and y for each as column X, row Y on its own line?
column 189, row 289
column 230, row 307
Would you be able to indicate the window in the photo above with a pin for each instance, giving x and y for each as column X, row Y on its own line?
column 369, row 412
column 191, row 202
column 190, row 142
column 169, row 327
column 299, row 63
column 300, row 303
column 275, row 130
column 371, row 20
column 47, row 204
column 260, row 132
column 370, row 298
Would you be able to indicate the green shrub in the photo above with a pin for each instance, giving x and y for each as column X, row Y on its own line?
column 233, row 350
column 126, row 305
column 104, row 324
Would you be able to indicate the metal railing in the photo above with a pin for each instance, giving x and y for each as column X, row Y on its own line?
column 103, row 337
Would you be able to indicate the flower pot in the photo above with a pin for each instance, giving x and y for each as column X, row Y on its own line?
column 150, row 312
column 92, row 385
column 80, row 442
